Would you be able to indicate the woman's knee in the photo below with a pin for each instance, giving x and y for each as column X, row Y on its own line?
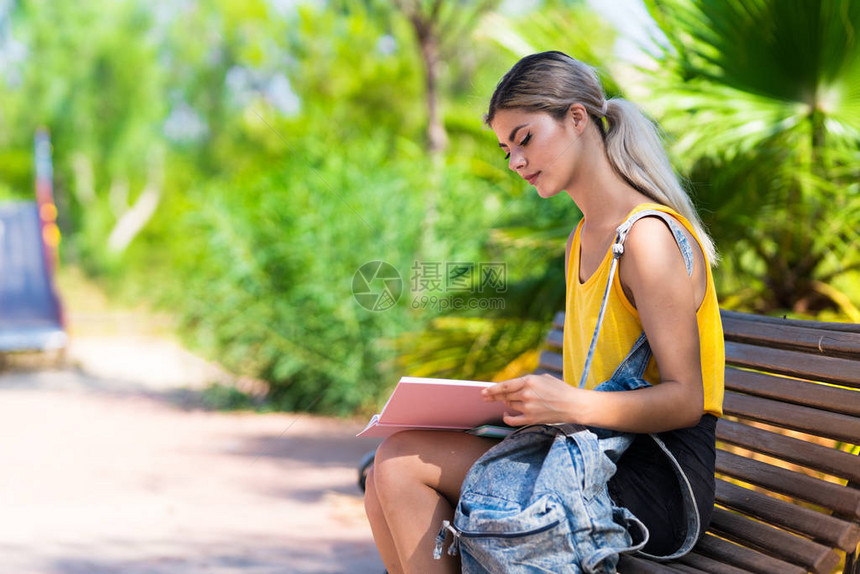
column 436, row 459
column 399, row 444
column 395, row 457
column 371, row 499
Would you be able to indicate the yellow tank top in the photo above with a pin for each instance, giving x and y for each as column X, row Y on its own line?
column 621, row 326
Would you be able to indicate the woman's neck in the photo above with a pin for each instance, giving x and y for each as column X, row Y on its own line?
column 603, row 196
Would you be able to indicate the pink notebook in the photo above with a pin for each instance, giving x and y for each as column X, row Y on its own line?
column 435, row 404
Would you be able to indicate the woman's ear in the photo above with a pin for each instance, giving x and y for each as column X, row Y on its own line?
column 579, row 116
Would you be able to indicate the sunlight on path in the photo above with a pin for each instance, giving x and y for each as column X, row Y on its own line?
column 96, row 481
column 106, row 468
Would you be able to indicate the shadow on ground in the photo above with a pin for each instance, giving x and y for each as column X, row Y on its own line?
column 230, row 556
column 129, row 477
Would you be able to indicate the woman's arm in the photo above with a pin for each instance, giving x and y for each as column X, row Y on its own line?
column 653, row 272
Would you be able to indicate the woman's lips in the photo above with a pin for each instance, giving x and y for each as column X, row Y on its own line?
column 531, row 178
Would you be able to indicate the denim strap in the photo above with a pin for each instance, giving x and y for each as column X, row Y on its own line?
column 681, row 239
column 691, row 509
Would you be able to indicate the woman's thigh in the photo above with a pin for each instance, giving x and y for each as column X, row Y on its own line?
column 438, row 459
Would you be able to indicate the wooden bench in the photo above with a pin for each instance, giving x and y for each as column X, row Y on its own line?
column 788, row 485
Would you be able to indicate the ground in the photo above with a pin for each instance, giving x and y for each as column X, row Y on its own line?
column 110, row 465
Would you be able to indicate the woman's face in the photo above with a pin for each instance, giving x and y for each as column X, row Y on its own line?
column 539, row 148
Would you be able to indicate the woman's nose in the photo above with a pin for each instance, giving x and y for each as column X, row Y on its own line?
column 516, row 161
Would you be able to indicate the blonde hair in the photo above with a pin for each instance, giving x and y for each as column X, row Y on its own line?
column 551, row 82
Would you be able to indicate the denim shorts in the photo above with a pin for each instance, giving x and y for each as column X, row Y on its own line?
column 646, row 484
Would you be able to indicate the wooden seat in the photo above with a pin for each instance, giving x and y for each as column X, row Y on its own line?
column 788, row 476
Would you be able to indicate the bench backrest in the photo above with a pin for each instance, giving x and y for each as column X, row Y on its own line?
column 788, row 476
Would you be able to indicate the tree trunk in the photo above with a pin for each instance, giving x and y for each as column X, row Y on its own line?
column 437, row 139
column 133, row 219
column 84, row 188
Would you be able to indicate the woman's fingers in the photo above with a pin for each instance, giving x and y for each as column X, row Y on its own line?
column 502, row 391
column 515, row 420
column 514, row 405
column 531, row 399
column 523, row 389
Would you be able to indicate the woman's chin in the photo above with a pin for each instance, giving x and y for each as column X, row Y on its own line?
column 546, row 192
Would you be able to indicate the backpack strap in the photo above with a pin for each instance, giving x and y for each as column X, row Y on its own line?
column 617, row 251
column 681, row 239
column 691, row 508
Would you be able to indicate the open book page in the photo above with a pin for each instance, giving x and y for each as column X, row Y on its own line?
column 441, row 404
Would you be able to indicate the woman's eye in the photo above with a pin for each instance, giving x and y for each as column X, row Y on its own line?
column 522, row 143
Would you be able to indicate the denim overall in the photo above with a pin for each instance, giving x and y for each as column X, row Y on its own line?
column 538, row 501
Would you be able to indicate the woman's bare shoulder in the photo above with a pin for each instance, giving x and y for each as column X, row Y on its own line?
column 653, row 261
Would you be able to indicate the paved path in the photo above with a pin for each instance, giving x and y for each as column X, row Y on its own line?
column 108, row 467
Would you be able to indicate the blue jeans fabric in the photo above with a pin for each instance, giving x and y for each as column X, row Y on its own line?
column 539, row 502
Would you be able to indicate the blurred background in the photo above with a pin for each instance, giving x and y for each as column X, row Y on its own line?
column 276, row 208
column 231, row 165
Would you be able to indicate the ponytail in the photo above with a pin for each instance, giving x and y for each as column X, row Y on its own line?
column 635, row 150
column 551, row 82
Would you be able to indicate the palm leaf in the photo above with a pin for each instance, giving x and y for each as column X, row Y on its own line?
column 763, row 99
column 571, row 27
column 467, row 348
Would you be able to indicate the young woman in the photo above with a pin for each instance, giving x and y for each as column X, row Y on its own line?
column 560, row 133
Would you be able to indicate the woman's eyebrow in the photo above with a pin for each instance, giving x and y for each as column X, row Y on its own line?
column 513, row 133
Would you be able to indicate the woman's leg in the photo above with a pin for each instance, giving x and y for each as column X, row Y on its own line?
column 416, row 480
column 379, row 527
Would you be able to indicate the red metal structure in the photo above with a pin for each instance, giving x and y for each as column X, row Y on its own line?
column 31, row 317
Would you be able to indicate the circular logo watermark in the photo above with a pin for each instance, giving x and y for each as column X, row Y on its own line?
column 377, row 286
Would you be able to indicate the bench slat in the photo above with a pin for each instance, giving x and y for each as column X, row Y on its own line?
column 805, row 338
column 793, row 549
column 554, row 339
column 743, row 557
column 739, row 325
column 709, row 564
column 552, row 362
column 737, row 318
column 630, row 564
column 843, row 372
column 842, row 500
column 813, row 421
column 818, row 526
column 781, row 322
column 814, row 456
column 794, row 391
column 687, row 569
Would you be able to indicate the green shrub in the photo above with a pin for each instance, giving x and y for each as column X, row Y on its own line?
column 261, row 271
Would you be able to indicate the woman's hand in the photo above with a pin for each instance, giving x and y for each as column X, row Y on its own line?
column 535, row 398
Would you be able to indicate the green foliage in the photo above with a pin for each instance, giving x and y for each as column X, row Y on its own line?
column 227, row 398
column 468, row 348
column 263, row 274
column 267, row 212
column 287, row 145
column 569, row 26
column 91, row 77
column 773, row 90
column 358, row 69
